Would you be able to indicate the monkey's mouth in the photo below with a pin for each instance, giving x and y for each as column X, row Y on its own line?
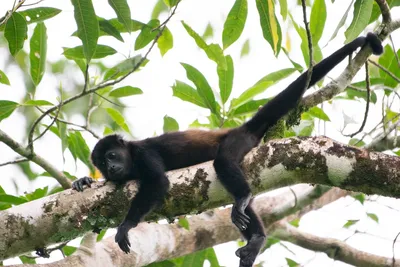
column 115, row 174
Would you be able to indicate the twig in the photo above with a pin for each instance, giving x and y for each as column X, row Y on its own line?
column 85, row 86
column 388, row 72
column 32, row 3
column 106, row 83
column 385, row 11
column 109, row 101
column 368, row 86
column 310, row 46
column 14, row 162
column 394, row 242
column 394, row 50
column 169, row 17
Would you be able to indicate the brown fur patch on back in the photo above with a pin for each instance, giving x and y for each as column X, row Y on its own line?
column 203, row 137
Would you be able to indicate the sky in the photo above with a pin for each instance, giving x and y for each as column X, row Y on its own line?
column 146, row 112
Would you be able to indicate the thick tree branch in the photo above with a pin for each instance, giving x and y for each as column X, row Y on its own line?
column 279, row 163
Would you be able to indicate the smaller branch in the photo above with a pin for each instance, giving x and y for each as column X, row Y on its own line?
column 385, row 11
column 310, row 45
column 375, row 143
column 25, row 152
column 48, row 127
column 85, row 86
column 32, row 3
column 394, row 50
column 394, row 242
column 169, row 17
column 14, row 162
column 109, row 101
column 368, row 85
column 333, row 248
column 388, row 72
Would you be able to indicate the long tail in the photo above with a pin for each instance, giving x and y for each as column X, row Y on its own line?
column 281, row 104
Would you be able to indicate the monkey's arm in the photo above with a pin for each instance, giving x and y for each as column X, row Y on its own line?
column 153, row 188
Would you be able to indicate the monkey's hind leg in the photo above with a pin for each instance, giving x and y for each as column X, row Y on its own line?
column 255, row 236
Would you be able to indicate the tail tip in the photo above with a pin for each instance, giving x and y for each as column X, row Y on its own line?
column 375, row 43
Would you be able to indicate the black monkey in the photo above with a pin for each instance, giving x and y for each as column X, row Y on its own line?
column 148, row 160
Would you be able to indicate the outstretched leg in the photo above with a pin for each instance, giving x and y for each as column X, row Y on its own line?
column 255, row 236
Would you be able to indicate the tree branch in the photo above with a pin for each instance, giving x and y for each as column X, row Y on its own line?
column 53, row 171
column 279, row 163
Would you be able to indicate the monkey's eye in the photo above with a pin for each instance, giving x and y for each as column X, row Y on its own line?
column 111, row 155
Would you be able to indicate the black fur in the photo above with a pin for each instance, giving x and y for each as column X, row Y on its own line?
column 148, row 160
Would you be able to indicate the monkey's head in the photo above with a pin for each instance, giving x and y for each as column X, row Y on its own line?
column 112, row 157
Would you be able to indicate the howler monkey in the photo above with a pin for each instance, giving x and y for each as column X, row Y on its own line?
column 148, row 160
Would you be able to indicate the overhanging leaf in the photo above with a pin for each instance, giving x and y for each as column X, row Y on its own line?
column 226, row 79
column 3, row 78
column 16, row 32
column 317, row 20
column 88, row 26
column 78, row 52
column 118, row 118
column 123, row 68
column 38, row 53
column 361, row 14
column 234, row 24
column 147, row 34
column 269, row 24
column 6, row 108
column 126, row 91
column 170, row 124
column 187, row 93
column 165, row 42
column 123, row 12
column 39, row 14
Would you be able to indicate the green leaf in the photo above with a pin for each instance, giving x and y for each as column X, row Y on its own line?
column 166, row 263
column 269, row 24
column 284, row 8
column 376, row 11
column 317, row 20
column 389, row 61
column 126, row 91
column 38, row 193
column 107, row 131
column 37, row 103
column 106, row 27
column 165, row 42
column 62, row 129
column 298, row 67
column 342, row 21
column 88, row 26
column 10, row 199
column 203, row 88
column 318, row 113
column 208, row 32
column 170, row 124
column 373, row 216
column 68, row 250
column 291, row 263
column 147, row 34
column 135, row 25
column 6, row 108
column 39, row 14
column 171, row 3
column 123, row 12
column 295, row 222
column 250, row 107
column 261, row 86
column 226, row 79
column 360, row 197
column 78, row 52
column 159, row 8
column 213, row 51
column 350, row 223
column 38, row 52
column 122, row 68
column 16, row 33
column 187, row 93
column 183, row 221
column 305, row 128
column 234, row 24
column 101, row 235
column 361, row 14
column 270, row 242
column 197, row 259
column 118, row 118
column 79, row 149
column 27, row 260
column 3, row 78
column 351, row 93
column 245, row 48
column 356, row 142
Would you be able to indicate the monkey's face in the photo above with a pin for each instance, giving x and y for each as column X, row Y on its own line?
column 111, row 156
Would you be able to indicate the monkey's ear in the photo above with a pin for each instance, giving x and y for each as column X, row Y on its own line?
column 120, row 140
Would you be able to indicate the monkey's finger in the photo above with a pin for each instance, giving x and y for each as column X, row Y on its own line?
column 128, row 242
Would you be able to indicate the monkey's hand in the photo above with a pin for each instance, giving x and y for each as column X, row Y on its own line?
column 238, row 215
column 122, row 235
column 78, row 184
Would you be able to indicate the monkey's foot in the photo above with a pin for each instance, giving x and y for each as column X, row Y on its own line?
column 122, row 236
column 248, row 253
column 238, row 215
column 78, row 184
